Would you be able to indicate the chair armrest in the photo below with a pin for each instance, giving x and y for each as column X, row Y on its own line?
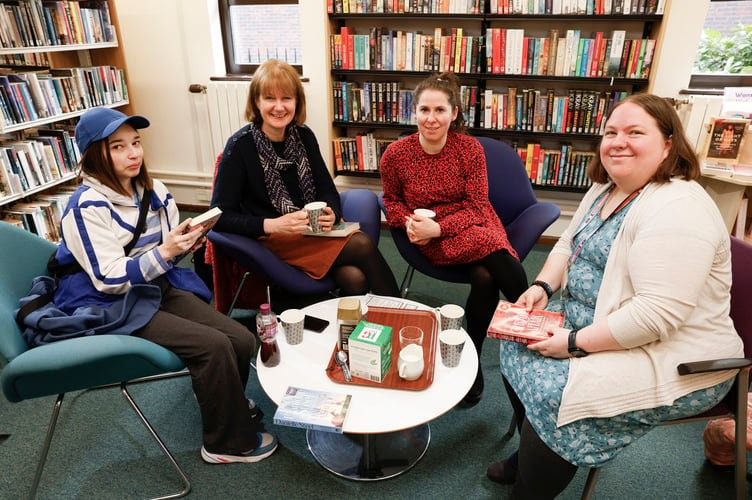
column 713, row 365
column 524, row 231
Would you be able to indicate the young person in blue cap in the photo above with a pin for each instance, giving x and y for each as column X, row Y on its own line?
column 165, row 304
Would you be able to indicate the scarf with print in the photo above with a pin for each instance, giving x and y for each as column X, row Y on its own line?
column 293, row 155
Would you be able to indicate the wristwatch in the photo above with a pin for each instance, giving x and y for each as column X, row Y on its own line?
column 575, row 351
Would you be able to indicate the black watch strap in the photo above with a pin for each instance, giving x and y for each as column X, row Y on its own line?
column 573, row 349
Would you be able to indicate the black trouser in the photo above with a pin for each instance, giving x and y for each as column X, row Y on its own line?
column 217, row 351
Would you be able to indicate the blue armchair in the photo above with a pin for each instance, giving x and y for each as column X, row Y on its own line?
column 512, row 196
column 358, row 205
column 67, row 365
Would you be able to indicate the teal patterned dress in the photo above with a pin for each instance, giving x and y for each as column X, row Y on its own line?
column 539, row 381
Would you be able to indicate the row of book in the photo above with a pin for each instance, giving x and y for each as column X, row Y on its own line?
column 406, row 6
column 564, row 167
column 509, row 51
column 500, row 51
column 386, row 102
column 579, row 7
column 396, row 50
column 39, row 23
column 361, row 153
column 42, row 215
column 44, row 156
column 535, row 110
column 526, row 7
column 30, row 96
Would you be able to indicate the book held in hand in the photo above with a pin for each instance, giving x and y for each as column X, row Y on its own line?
column 311, row 409
column 339, row 230
column 206, row 220
column 515, row 323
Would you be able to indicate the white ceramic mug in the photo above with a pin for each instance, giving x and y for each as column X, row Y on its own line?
column 410, row 363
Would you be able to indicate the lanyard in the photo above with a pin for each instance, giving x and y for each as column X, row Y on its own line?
column 596, row 210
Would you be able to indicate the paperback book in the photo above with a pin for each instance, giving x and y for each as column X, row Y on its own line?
column 515, row 323
column 338, row 230
column 206, row 220
column 311, row 409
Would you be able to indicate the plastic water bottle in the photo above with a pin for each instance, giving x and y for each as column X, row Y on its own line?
column 266, row 326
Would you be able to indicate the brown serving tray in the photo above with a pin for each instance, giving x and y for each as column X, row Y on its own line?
column 397, row 318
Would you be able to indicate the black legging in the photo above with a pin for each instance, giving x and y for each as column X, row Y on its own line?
column 541, row 473
column 360, row 268
column 499, row 271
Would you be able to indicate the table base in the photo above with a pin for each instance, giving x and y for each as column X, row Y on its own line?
column 369, row 457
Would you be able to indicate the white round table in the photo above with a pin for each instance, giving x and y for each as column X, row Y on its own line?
column 386, row 430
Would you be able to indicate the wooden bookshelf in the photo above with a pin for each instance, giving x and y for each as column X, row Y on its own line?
column 58, row 60
column 596, row 85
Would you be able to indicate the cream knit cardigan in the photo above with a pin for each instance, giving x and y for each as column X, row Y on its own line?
column 665, row 294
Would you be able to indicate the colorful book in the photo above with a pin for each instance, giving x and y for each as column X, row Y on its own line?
column 514, row 323
column 311, row 409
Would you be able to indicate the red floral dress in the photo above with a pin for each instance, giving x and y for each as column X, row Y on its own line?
column 452, row 183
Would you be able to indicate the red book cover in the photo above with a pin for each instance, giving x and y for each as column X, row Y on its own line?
column 514, row 323
column 496, row 50
column 463, row 56
column 359, row 151
column 595, row 54
column 535, row 162
column 525, row 42
column 503, row 51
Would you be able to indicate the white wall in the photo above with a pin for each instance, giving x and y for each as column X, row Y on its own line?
column 169, row 44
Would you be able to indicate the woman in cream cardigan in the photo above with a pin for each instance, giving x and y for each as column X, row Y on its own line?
column 644, row 270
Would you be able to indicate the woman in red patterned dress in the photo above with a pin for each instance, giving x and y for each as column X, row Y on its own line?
column 442, row 169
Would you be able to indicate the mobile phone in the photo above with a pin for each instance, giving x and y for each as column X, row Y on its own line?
column 314, row 324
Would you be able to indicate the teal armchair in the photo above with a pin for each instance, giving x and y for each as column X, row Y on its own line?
column 67, row 365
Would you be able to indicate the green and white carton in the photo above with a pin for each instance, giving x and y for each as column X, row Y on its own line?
column 370, row 351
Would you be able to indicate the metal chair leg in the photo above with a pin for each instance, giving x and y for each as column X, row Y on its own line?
column 237, row 293
column 407, row 280
column 592, row 478
column 512, row 425
column 46, row 446
column 740, row 462
column 154, row 434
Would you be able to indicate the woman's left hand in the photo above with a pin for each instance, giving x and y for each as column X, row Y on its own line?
column 326, row 221
column 421, row 229
column 557, row 346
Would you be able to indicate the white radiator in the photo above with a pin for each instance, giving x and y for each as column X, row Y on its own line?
column 223, row 106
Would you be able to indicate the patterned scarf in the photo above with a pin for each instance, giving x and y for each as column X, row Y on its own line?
column 293, row 155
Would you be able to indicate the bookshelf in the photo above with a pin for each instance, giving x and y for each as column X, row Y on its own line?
column 550, row 108
column 57, row 59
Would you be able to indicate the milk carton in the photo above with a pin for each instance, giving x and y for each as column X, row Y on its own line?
column 370, row 353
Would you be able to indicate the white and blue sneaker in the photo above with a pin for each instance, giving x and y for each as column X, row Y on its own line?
column 267, row 445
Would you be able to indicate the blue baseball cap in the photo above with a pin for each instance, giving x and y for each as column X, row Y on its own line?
column 99, row 123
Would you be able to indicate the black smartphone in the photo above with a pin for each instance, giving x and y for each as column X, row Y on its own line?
column 314, row 324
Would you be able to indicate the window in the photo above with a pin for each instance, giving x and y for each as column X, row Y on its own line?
column 724, row 57
column 254, row 31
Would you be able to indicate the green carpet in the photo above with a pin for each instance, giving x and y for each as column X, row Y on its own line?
column 102, row 451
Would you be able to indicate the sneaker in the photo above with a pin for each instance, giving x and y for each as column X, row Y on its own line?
column 267, row 445
column 256, row 412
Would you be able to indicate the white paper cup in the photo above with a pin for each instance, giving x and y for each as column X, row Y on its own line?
column 315, row 210
column 292, row 323
column 451, row 343
column 451, row 316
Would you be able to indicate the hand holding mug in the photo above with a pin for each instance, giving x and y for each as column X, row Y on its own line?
column 292, row 223
column 421, row 227
column 326, row 221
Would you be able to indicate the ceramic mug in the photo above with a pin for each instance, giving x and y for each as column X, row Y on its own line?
column 410, row 362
